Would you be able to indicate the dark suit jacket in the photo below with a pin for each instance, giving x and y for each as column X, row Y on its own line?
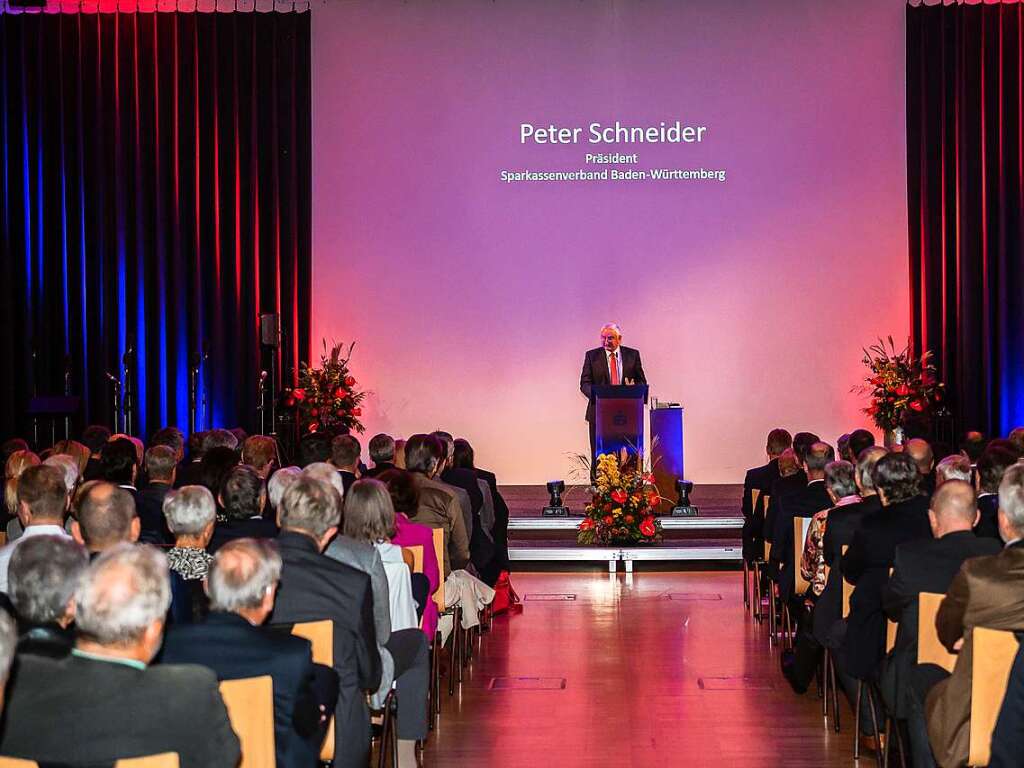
column 79, row 710
column 781, row 488
column 314, row 587
column 229, row 530
column 595, row 372
column 481, row 548
column 988, row 523
column 1008, row 736
column 149, row 505
column 842, row 523
column 986, row 592
column 500, row 530
column 807, row 501
column 233, row 648
column 347, row 478
column 760, row 479
column 922, row 565
column 378, row 469
column 189, row 473
column 866, row 565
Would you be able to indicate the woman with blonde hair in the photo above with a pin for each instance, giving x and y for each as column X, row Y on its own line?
column 17, row 463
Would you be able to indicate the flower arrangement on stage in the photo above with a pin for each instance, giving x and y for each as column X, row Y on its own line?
column 326, row 398
column 622, row 506
column 901, row 386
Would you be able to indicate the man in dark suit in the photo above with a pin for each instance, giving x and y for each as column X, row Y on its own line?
column 610, row 364
column 243, row 497
column 761, row 479
column 242, row 583
column 160, row 464
column 788, row 482
column 926, row 565
column 986, row 592
column 991, row 466
column 382, row 454
column 315, row 587
column 903, row 517
column 345, row 451
column 103, row 702
column 106, row 516
column 119, row 465
column 924, row 457
column 464, row 457
column 805, row 502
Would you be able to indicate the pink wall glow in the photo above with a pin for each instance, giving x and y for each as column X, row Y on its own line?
column 472, row 302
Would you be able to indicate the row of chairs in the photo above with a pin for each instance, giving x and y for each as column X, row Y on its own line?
column 994, row 653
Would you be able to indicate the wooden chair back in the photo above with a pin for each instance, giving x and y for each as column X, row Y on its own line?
column 17, row 762
column 929, row 649
column 250, row 705
column 416, row 551
column 994, row 652
column 163, row 760
column 890, row 634
column 439, row 553
column 410, row 561
column 321, row 636
column 755, row 493
column 800, row 526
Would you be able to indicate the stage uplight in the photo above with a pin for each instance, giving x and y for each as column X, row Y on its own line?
column 683, row 507
column 555, row 507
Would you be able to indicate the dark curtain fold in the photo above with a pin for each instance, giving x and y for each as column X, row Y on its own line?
column 155, row 199
column 966, row 196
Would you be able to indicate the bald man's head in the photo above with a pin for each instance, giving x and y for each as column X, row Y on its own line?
column 106, row 516
column 953, row 508
column 921, row 452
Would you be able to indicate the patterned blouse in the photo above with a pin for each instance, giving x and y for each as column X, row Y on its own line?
column 189, row 563
column 812, row 563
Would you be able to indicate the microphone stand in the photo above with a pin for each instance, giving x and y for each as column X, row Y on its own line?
column 117, row 399
column 129, row 392
column 193, row 392
column 262, row 407
column 67, row 393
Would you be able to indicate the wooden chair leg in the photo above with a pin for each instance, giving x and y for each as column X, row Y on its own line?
column 453, row 657
column 756, row 593
column 856, row 721
column 835, row 692
column 824, row 685
column 771, row 613
column 874, row 725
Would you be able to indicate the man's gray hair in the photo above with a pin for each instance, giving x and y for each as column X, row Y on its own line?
column 328, row 473
column 241, row 573
column 310, row 505
column 839, row 478
column 279, row 481
column 122, row 593
column 382, row 448
column 219, row 438
column 42, row 576
column 8, row 644
column 160, row 462
column 953, row 467
column 448, row 441
column 1011, row 496
column 189, row 510
column 866, row 466
column 612, row 327
column 68, row 466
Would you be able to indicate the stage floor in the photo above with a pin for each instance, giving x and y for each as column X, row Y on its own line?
column 713, row 535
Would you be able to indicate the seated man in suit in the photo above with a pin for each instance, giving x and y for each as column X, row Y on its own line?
column 921, row 452
column 986, row 592
column 991, row 466
column 315, row 587
column 42, row 503
column 345, row 452
column 106, row 516
column 788, row 481
column 610, row 364
column 382, row 454
column 42, row 578
column 233, row 643
column 761, row 479
column 278, row 483
column 926, row 565
column 161, row 464
column 260, row 453
column 494, row 517
column 103, row 702
column 243, row 497
column 120, row 465
column 953, row 467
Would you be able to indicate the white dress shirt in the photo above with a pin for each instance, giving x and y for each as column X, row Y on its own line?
column 32, row 530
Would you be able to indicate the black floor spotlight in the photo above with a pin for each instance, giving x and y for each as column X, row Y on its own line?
column 683, row 507
column 555, row 507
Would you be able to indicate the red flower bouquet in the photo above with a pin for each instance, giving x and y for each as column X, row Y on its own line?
column 326, row 397
column 621, row 508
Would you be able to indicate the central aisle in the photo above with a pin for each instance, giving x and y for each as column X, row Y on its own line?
column 660, row 669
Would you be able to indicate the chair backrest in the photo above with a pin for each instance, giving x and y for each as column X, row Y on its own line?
column 754, row 494
column 994, row 652
column 439, row 553
column 847, row 590
column 417, row 557
column 800, row 526
column 890, row 634
column 929, row 649
column 409, row 560
column 250, row 705
column 321, row 636
column 17, row 762
column 163, row 760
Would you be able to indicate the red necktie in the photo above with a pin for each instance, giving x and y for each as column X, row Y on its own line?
column 614, row 366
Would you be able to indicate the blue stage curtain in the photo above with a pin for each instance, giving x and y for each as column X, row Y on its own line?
column 966, row 196
column 154, row 195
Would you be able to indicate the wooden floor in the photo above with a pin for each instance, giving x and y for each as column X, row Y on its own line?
column 660, row 669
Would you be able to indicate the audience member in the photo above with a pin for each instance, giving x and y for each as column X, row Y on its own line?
column 325, row 472
column 103, row 698
column 106, row 516
column 42, row 505
column 95, row 438
column 843, row 448
column 260, row 453
column 10, row 447
column 860, row 440
column 1008, row 735
column 189, row 471
column 438, row 505
column 973, row 445
column 987, row 591
column 161, row 463
column 921, row 452
column 400, row 454
column 41, row 579
column 243, row 497
column 956, row 466
column 68, row 468
column 214, row 468
column 76, row 451
column 1016, row 437
column 8, row 643
column 119, row 466
column 15, row 465
column 494, row 515
column 926, row 565
column 991, row 466
column 382, row 454
column 172, row 438
column 345, row 452
column 190, row 514
column 314, row 448
column 368, row 522
column 278, row 483
column 761, row 479
column 443, row 446
column 242, row 584
column 791, row 480
column 315, row 587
